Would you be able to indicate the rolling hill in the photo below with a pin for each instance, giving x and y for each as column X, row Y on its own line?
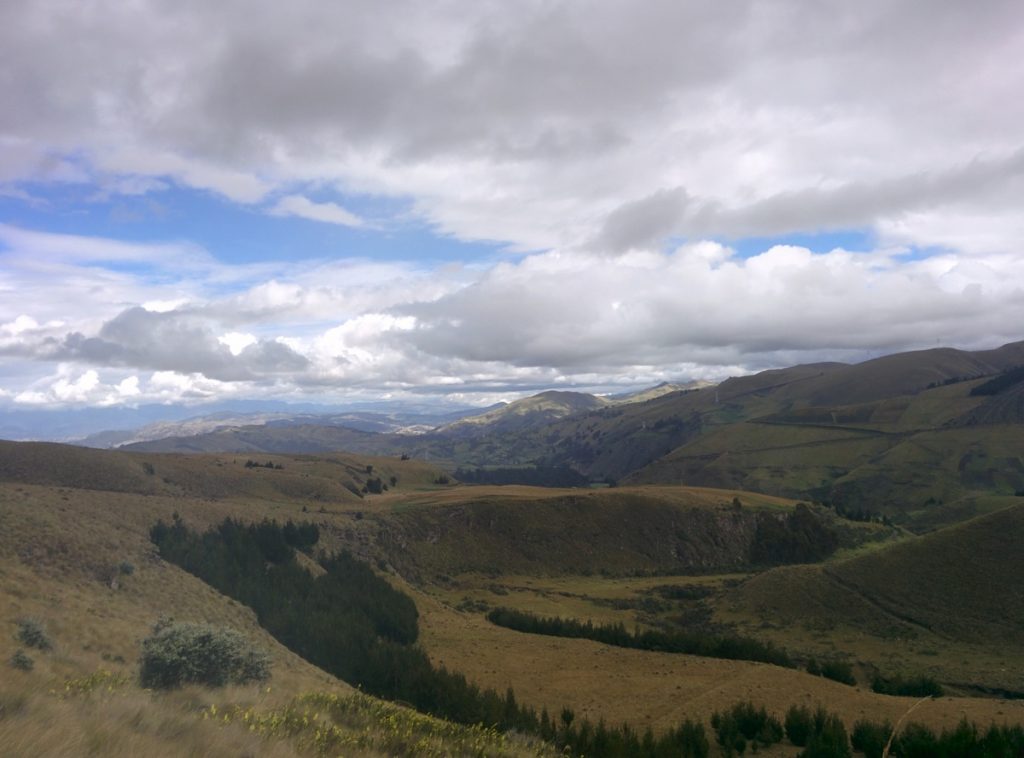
column 911, row 436
column 913, row 584
column 520, row 414
column 944, row 602
column 72, row 518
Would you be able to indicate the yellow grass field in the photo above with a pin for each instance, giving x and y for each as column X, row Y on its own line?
column 62, row 545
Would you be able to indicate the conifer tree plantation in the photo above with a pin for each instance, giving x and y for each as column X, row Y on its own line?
column 353, row 624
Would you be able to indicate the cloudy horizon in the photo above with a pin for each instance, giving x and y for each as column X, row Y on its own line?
column 343, row 202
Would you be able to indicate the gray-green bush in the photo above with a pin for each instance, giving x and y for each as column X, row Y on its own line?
column 20, row 660
column 177, row 654
column 32, row 634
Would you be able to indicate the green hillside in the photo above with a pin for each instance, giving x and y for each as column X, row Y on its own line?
column 76, row 556
column 614, row 531
column 335, row 479
column 971, row 567
column 945, row 604
column 914, row 436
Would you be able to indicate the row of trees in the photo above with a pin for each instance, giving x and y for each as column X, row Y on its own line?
column 269, row 464
column 731, row 647
column 800, row 537
column 534, row 476
column 352, row 623
column 1002, row 382
column 822, row 734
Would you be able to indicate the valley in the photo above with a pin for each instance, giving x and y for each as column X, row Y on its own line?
column 906, row 569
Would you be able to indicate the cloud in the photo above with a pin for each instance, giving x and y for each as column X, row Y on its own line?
column 643, row 223
column 536, row 125
column 586, row 138
column 328, row 213
column 169, row 341
column 69, row 386
column 561, row 318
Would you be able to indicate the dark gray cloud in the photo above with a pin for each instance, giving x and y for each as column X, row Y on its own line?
column 530, row 124
column 142, row 339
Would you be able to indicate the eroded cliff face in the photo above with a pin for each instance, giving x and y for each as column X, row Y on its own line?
column 580, row 534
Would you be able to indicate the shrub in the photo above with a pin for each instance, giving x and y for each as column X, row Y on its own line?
column 690, row 740
column 799, row 724
column 1003, row 740
column 828, row 739
column 838, row 671
column 921, row 686
column 870, row 738
column 963, row 740
column 32, row 634
column 916, row 741
column 21, row 661
column 126, row 568
column 177, row 654
column 727, row 734
column 745, row 722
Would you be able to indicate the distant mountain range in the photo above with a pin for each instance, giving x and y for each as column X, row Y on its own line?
column 159, row 422
column 111, row 426
column 914, row 435
column 371, row 432
column 409, row 422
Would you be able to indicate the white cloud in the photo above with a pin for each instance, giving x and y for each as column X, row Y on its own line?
column 328, row 213
column 556, row 318
column 582, row 136
column 538, row 124
column 236, row 342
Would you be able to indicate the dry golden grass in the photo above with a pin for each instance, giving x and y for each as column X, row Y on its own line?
column 312, row 480
column 60, row 551
column 601, row 599
column 124, row 722
column 657, row 689
column 676, row 495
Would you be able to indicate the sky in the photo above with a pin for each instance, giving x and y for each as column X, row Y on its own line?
column 469, row 201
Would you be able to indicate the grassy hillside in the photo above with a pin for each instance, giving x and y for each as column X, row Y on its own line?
column 63, row 546
column 337, row 479
column 530, row 411
column 903, row 435
column 657, row 689
column 945, row 602
column 503, row 530
column 914, row 458
column 62, row 553
column 970, row 568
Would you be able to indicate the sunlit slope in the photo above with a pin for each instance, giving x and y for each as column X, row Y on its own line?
column 79, row 561
column 658, row 689
column 960, row 583
column 618, row 530
column 337, row 478
column 911, row 457
column 850, row 434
